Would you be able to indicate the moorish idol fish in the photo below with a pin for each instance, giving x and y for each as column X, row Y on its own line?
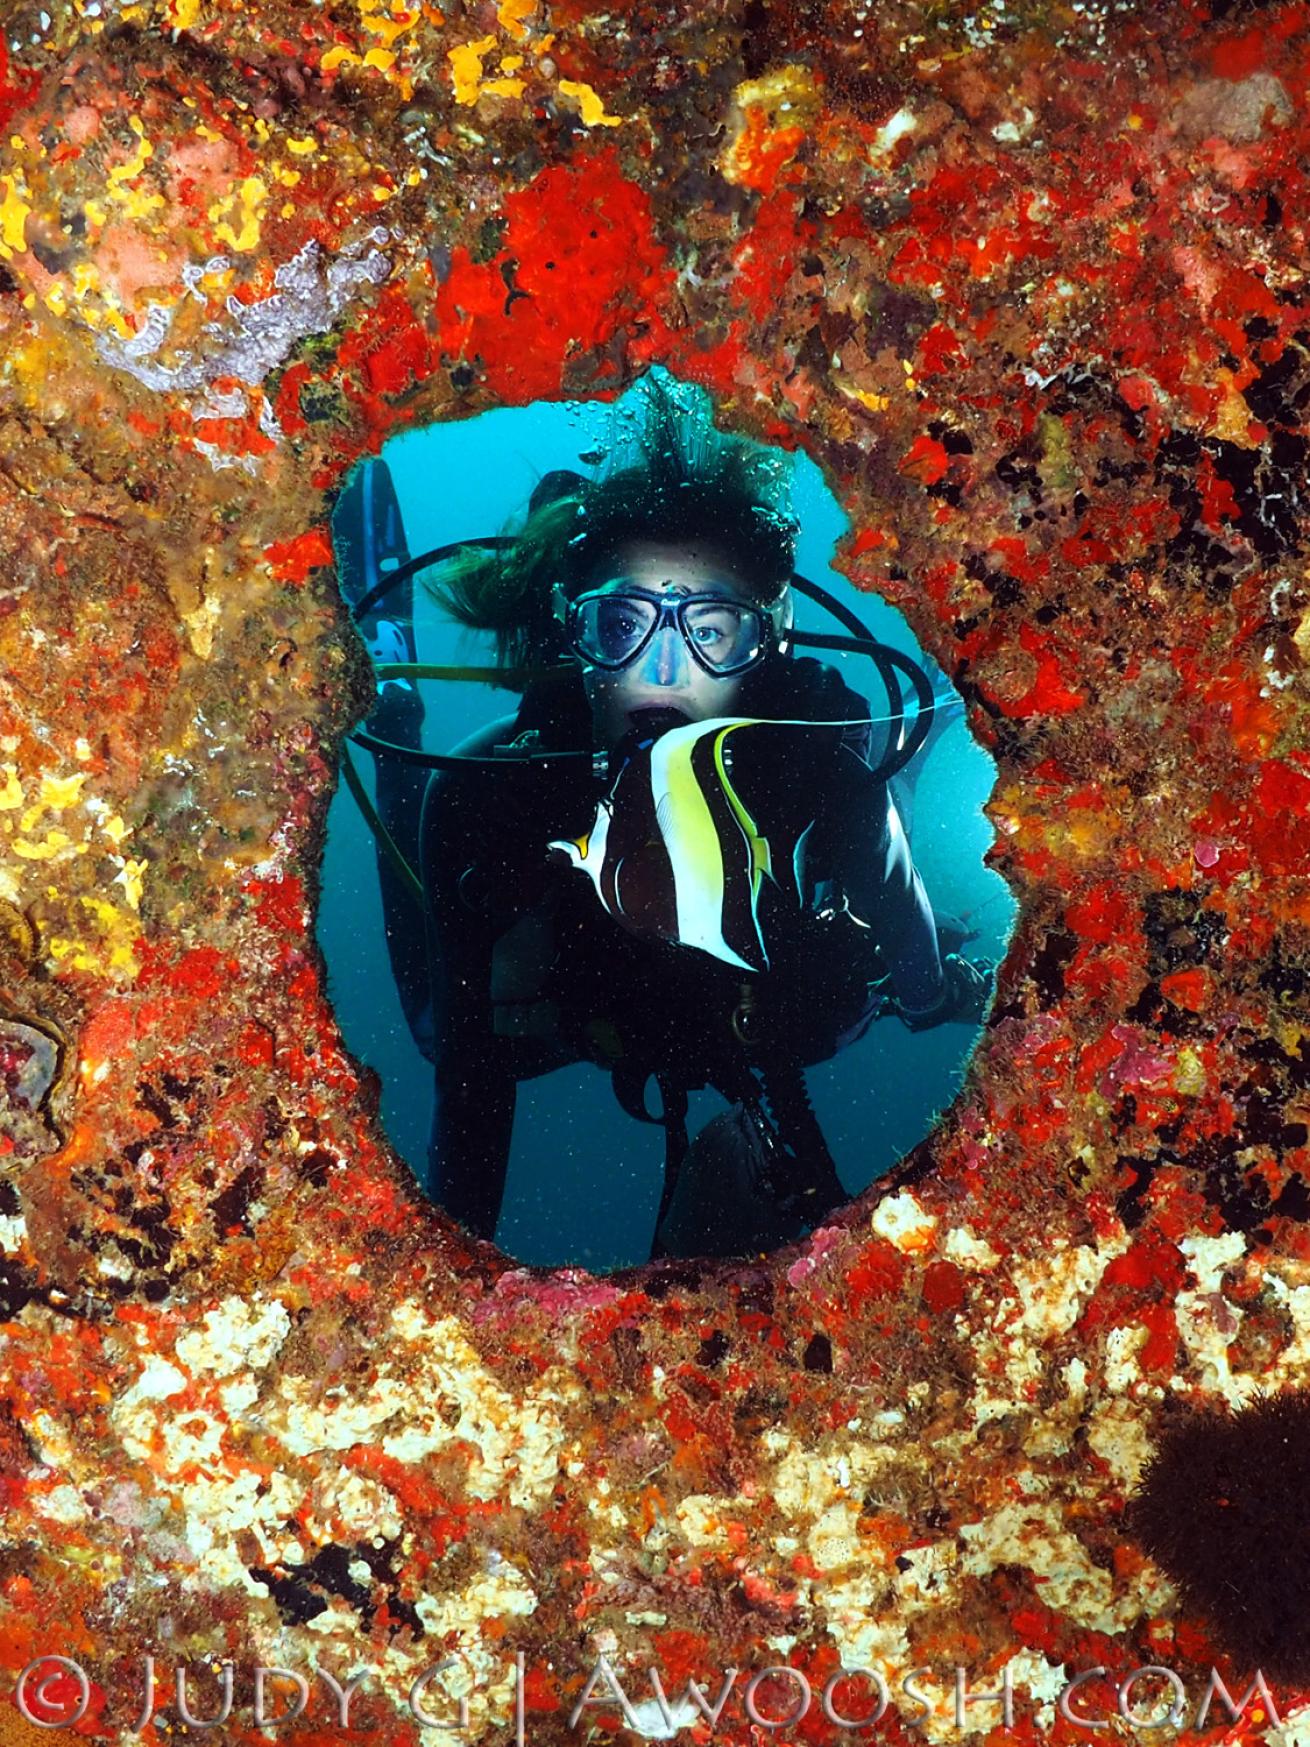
column 678, row 851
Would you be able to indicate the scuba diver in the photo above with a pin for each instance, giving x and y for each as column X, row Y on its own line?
column 679, row 859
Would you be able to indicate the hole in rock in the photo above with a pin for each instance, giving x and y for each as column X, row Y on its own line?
column 678, row 954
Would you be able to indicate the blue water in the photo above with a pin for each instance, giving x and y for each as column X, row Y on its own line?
column 584, row 1178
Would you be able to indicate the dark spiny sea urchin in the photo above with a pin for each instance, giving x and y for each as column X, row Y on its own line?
column 1224, row 1508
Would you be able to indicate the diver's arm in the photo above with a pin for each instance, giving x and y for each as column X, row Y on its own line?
column 883, row 890
column 903, row 923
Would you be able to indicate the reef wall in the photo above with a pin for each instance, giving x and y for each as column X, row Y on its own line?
column 1029, row 281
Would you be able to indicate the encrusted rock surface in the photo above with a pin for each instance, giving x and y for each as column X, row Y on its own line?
column 1029, row 282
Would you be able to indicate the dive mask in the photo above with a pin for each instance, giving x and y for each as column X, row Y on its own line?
column 610, row 627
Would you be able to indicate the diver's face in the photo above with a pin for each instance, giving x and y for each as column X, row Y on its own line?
column 664, row 676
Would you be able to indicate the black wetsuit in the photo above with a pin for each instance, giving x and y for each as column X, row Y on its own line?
column 528, row 972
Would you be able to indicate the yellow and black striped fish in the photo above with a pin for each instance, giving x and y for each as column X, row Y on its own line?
column 679, row 850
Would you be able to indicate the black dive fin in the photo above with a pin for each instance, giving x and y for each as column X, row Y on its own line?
column 370, row 535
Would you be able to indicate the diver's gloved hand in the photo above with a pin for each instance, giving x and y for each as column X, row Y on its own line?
column 964, row 998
